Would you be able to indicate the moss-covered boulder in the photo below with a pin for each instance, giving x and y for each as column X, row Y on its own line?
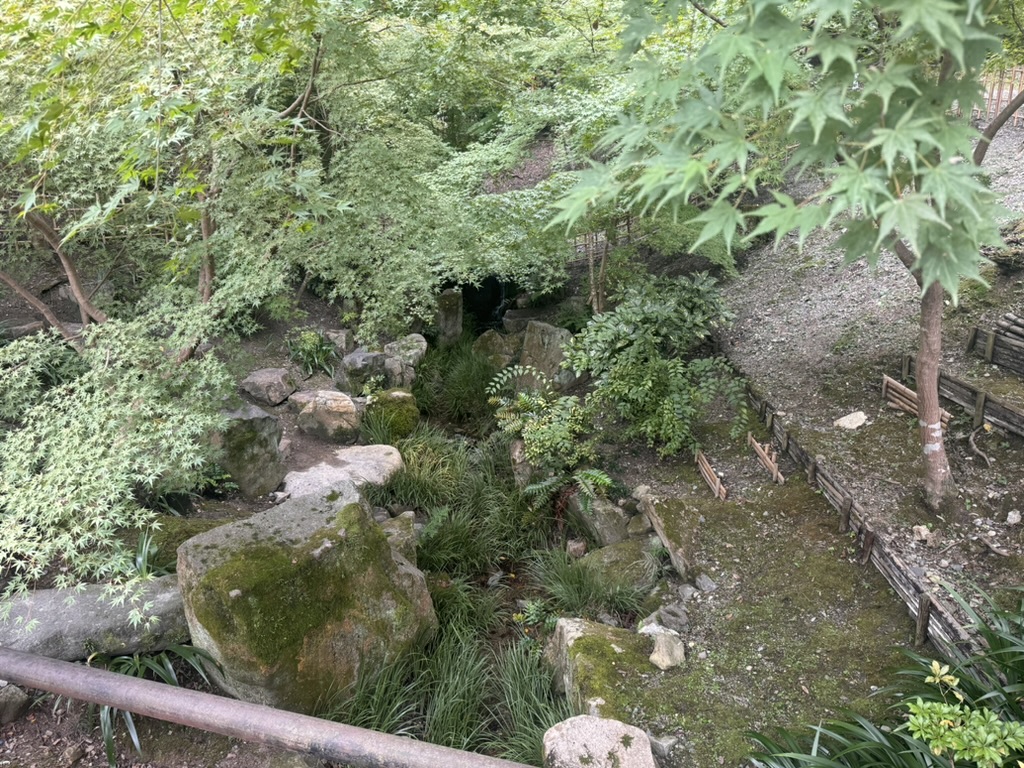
column 499, row 349
column 250, row 454
column 631, row 562
column 599, row 668
column 295, row 601
column 395, row 408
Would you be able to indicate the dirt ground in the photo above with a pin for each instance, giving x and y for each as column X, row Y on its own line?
column 814, row 335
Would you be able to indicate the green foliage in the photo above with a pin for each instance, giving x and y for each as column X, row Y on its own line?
column 576, row 589
column 312, row 351
column 875, row 116
column 90, row 451
column 477, row 520
column 553, row 427
column 637, row 354
column 151, row 666
column 451, row 386
column 965, row 734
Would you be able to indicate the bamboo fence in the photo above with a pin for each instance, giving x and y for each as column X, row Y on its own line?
column 1000, row 88
column 983, row 406
column 1003, row 345
column 710, row 476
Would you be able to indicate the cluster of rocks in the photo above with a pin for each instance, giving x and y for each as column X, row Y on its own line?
column 530, row 342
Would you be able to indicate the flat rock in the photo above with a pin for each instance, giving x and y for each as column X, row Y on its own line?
column 359, row 464
column 71, row 625
column 270, row 386
column 669, row 651
column 677, row 523
column 853, row 420
column 585, row 741
column 409, row 349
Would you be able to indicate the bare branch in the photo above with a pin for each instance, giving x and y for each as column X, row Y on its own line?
column 701, row 9
column 44, row 226
column 993, row 128
column 40, row 306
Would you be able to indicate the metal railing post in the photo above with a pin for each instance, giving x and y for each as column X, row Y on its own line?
column 356, row 747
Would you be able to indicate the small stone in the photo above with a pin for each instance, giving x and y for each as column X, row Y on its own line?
column 72, row 755
column 662, row 745
column 1013, row 517
column 576, row 548
column 669, row 651
column 705, row 584
column 921, row 532
column 853, row 420
column 687, row 591
column 14, row 703
column 640, row 491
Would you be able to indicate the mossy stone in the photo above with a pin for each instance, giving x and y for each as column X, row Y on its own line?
column 294, row 601
column 397, row 409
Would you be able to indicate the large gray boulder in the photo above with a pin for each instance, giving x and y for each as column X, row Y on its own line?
column 299, row 600
column 250, row 450
column 409, row 349
column 629, row 562
column 360, row 368
column 499, row 349
column 596, row 742
column 449, row 316
column 270, row 386
column 331, row 415
column 516, row 320
column 71, row 625
column 358, row 465
column 604, row 522
column 542, row 349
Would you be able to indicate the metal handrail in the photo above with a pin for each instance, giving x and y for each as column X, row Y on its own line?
column 356, row 747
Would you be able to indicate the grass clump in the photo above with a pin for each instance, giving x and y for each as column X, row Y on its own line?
column 451, row 385
column 574, row 588
column 390, row 416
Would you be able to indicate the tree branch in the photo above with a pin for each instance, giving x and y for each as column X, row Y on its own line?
column 993, row 128
column 303, row 98
column 44, row 226
column 701, row 9
column 40, row 306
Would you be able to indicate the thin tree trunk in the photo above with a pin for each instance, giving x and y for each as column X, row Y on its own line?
column 939, row 488
column 40, row 306
column 45, row 227
column 207, row 269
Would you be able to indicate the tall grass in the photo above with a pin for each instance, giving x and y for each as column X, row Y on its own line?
column 576, row 589
column 451, row 386
column 526, row 706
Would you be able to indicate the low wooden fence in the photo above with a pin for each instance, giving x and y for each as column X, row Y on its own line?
column 1003, row 345
column 984, row 407
column 935, row 620
column 1000, row 88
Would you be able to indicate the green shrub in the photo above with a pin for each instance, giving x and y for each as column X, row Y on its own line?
column 138, row 420
column 390, row 416
column 641, row 357
column 312, row 351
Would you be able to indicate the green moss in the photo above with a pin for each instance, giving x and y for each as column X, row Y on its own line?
column 277, row 608
column 396, row 410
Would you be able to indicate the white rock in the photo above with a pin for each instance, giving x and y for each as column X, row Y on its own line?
column 851, row 420
column 593, row 742
column 1013, row 517
column 358, row 464
column 921, row 532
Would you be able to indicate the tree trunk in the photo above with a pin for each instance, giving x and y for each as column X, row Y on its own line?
column 207, row 269
column 939, row 488
column 46, row 228
column 40, row 306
